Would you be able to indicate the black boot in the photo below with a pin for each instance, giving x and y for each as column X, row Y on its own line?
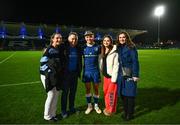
column 130, row 108
column 125, row 106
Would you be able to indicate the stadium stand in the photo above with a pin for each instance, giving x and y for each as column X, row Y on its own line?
column 22, row 36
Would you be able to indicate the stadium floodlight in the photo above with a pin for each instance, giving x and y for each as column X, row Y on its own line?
column 23, row 31
column 2, row 32
column 159, row 11
column 98, row 36
column 58, row 30
column 40, row 33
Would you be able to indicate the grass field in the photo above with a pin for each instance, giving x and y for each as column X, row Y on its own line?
column 22, row 95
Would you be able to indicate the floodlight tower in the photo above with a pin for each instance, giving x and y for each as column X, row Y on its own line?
column 159, row 11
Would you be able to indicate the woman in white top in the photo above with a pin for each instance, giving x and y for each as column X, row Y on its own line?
column 109, row 66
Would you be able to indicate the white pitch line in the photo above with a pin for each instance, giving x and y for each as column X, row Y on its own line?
column 8, row 57
column 25, row 83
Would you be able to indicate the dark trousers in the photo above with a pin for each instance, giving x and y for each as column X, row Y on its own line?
column 69, row 88
column 128, row 106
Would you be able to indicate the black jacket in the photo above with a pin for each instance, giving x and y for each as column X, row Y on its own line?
column 52, row 67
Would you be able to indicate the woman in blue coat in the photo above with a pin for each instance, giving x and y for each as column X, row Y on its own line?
column 128, row 73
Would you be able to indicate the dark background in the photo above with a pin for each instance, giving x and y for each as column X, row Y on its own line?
column 126, row 14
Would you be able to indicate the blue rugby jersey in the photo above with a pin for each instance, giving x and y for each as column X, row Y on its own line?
column 90, row 54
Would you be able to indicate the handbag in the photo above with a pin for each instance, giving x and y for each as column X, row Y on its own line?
column 126, row 72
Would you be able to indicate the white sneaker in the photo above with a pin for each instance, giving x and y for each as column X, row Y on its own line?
column 98, row 110
column 88, row 110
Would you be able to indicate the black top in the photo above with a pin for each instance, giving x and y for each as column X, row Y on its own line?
column 105, row 67
column 51, row 65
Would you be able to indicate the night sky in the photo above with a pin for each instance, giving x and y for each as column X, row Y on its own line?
column 126, row 14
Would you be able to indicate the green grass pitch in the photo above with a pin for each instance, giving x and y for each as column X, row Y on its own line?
column 22, row 95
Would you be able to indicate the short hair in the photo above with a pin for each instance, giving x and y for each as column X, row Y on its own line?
column 74, row 33
column 87, row 33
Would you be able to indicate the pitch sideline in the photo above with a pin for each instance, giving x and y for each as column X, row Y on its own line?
column 8, row 57
column 25, row 83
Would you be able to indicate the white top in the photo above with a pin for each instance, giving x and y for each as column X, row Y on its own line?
column 112, row 64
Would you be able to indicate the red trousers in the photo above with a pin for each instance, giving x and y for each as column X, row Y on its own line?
column 110, row 95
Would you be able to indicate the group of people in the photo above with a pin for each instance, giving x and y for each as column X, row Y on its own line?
column 61, row 66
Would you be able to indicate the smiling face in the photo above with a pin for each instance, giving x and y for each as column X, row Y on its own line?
column 122, row 38
column 72, row 40
column 89, row 39
column 56, row 40
column 107, row 42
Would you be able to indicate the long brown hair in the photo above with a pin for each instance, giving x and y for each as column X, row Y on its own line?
column 129, row 42
column 103, row 47
column 52, row 37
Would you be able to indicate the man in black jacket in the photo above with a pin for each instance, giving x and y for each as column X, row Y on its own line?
column 72, row 71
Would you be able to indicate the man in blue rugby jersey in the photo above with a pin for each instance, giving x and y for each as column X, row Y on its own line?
column 91, row 73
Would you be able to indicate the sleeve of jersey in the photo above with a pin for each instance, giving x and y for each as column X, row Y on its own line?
column 43, row 63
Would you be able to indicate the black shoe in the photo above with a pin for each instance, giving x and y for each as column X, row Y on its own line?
column 54, row 119
column 127, row 117
column 64, row 115
column 74, row 111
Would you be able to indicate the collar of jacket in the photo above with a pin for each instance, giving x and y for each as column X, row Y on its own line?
column 113, row 49
column 124, row 48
